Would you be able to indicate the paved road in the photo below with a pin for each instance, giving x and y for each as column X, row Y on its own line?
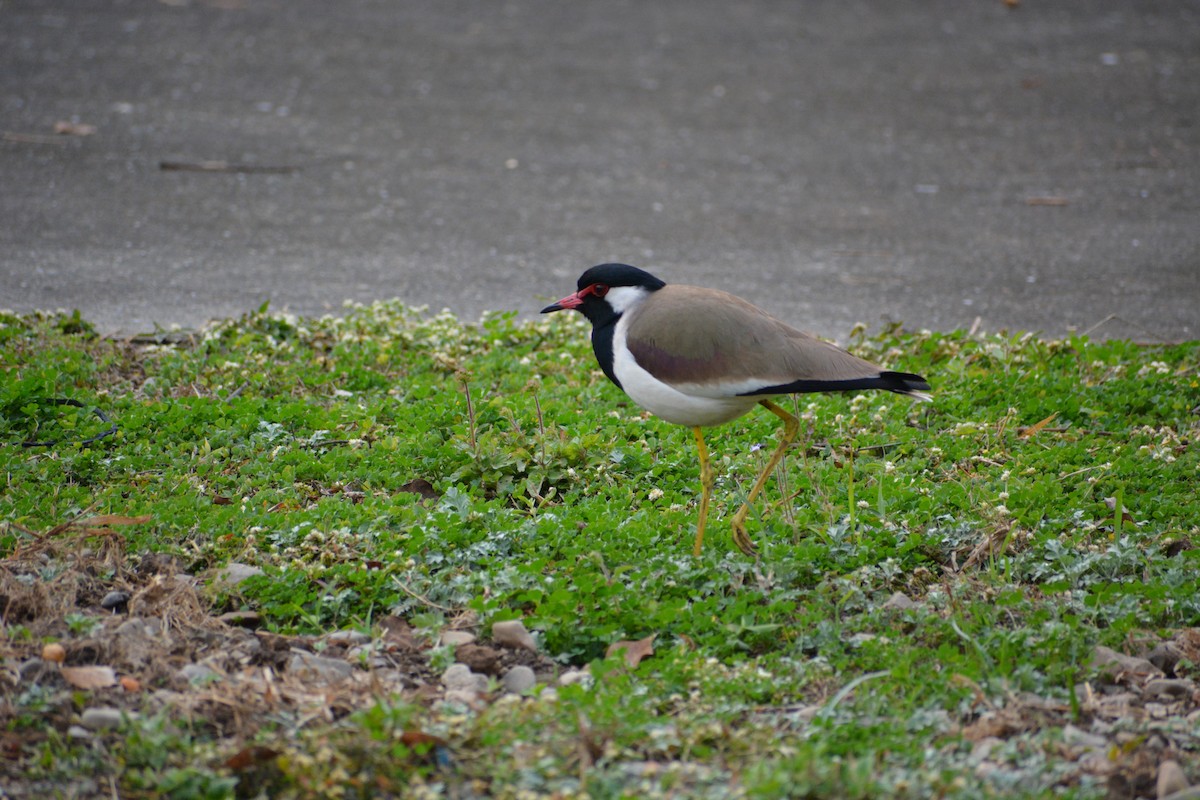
column 935, row 162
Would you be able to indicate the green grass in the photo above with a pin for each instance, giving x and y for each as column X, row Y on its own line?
column 287, row 443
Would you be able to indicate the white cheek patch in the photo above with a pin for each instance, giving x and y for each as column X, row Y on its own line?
column 623, row 298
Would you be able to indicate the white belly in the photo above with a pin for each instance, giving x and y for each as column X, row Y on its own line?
column 666, row 402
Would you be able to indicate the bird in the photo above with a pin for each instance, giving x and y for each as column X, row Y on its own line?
column 701, row 357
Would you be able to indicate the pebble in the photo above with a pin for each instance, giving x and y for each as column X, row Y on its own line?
column 347, row 638
column 457, row 638
column 512, row 633
column 575, row 676
column 98, row 719
column 899, row 601
column 139, row 627
column 1190, row 793
column 137, row 642
column 1077, row 737
column 195, row 674
column 78, row 732
column 464, row 697
column 1112, row 663
column 1171, row 779
column 459, row 677
column 1165, row 656
column 233, row 573
column 1169, row 688
column 519, row 679
column 367, row 656
column 309, row 666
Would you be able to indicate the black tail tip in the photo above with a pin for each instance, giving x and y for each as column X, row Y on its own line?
column 905, row 382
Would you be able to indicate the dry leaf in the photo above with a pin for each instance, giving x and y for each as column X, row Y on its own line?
column 634, row 651
column 64, row 128
column 1111, row 502
column 90, row 677
column 1037, row 426
column 250, row 757
column 427, row 747
column 420, row 738
column 108, row 520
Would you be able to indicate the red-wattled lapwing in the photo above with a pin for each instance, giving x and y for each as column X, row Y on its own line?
column 701, row 357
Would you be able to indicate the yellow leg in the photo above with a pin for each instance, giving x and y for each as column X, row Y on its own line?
column 706, row 484
column 791, row 427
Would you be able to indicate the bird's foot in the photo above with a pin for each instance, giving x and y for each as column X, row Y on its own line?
column 743, row 540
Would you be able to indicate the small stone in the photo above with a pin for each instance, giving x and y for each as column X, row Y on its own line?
column 512, row 633
column 1190, row 793
column 899, row 601
column 1170, row 779
column 1077, row 737
column 478, row 658
column 462, row 697
column 115, row 601
column 1169, row 688
column 78, row 732
column 1165, row 656
column 347, row 638
column 34, row 669
column 519, row 679
column 99, row 719
column 1113, row 664
column 572, row 676
column 233, row 573
column 459, row 677
column 137, row 643
column 158, row 564
column 308, row 666
column 197, row 674
column 366, row 655
column 457, row 638
column 139, row 627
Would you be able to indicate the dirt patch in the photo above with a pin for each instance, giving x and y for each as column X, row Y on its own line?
column 99, row 639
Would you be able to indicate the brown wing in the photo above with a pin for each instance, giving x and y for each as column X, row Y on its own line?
column 691, row 335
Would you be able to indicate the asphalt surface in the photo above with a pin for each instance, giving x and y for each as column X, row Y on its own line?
column 940, row 163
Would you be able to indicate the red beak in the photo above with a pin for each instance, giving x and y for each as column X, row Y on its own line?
column 570, row 301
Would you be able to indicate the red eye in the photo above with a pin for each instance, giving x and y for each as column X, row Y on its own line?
column 599, row 289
